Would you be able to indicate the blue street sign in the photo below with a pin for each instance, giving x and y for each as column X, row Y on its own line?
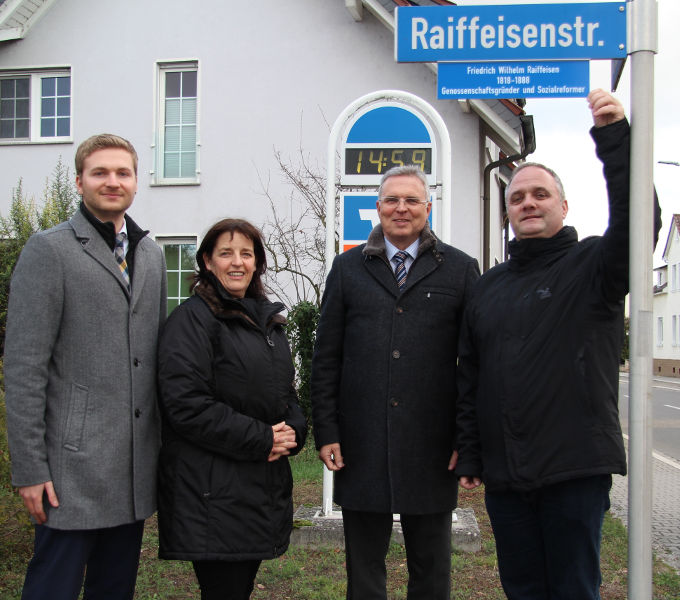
column 558, row 79
column 510, row 32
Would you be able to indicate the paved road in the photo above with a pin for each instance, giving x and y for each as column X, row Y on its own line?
column 665, row 413
column 666, row 465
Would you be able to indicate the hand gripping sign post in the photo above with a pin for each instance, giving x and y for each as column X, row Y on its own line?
column 374, row 133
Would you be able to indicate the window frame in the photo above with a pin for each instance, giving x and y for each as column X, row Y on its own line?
column 180, row 240
column 162, row 68
column 35, row 98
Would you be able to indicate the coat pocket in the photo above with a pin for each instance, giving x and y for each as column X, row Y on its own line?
column 441, row 294
column 75, row 423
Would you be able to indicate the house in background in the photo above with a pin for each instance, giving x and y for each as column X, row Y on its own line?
column 209, row 92
column 666, row 306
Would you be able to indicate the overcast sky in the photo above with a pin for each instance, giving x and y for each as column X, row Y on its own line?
column 563, row 141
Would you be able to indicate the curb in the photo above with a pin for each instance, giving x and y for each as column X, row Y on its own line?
column 312, row 530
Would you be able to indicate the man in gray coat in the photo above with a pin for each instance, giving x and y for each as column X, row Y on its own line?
column 384, row 390
column 85, row 308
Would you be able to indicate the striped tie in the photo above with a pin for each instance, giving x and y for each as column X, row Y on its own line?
column 400, row 272
column 119, row 253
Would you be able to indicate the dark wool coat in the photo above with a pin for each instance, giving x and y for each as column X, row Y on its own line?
column 384, row 375
column 225, row 377
column 540, row 348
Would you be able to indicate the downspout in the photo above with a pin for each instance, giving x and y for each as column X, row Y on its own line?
column 529, row 146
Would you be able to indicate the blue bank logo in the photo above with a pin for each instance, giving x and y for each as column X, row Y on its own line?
column 358, row 217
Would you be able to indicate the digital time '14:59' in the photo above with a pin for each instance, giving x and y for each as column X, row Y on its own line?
column 375, row 161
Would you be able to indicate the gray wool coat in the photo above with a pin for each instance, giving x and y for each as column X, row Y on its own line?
column 384, row 375
column 80, row 375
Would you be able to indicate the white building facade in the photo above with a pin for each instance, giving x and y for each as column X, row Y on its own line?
column 208, row 93
column 667, row 306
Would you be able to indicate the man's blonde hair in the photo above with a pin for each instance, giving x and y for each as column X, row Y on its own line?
column 101, row 142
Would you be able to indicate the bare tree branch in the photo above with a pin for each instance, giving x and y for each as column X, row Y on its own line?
column 296, row 242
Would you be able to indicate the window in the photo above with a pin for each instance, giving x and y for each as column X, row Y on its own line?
column 674, row 329
column 659, row 331
column 14, row 103
column 180, row 254
column 176, row 157
column 35, row 107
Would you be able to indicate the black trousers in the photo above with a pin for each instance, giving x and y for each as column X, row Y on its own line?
column 107, row 559
column 428, row 554
column 222, row 580
column 548, row 540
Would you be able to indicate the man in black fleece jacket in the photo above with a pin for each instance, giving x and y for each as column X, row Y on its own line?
column 539, row 351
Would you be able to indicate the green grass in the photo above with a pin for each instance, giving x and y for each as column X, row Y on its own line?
column 304, row 574
column 306, row 466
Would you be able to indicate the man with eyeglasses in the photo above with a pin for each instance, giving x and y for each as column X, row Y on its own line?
column 383, row 390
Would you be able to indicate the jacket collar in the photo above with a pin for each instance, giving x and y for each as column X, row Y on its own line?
column 108, row 231
column 258, row 312
column 98, row 249
column 375, row 245
column 541, row 250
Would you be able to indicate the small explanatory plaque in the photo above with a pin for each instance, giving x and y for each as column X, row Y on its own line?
column 522, row 79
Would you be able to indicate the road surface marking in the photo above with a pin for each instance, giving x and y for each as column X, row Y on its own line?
column 664, row 459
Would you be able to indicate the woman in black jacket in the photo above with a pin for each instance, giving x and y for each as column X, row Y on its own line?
column 230, row 419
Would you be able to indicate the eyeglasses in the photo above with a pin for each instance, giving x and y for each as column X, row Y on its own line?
column 393, row 201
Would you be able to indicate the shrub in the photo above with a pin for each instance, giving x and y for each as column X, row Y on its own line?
column 60, row 200
column 301, row 329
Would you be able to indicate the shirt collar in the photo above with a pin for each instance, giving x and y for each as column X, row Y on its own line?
column 391, row 249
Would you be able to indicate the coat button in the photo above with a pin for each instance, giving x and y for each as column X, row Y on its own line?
column 394, row 402
column 396, row 354
column 138, row 413
column 136, row 362
column 399, row 310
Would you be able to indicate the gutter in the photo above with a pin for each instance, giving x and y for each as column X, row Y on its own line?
column 529, row 146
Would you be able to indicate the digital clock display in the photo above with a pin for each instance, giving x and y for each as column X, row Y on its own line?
column 375, row 161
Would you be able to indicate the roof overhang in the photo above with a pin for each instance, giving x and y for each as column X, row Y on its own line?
column 18, row 16
column 675, row 225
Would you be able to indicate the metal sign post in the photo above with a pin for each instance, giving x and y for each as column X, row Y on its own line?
column 642, row 47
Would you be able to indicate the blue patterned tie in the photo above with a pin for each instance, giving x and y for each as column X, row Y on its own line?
column 119, row 253
column 400, row 272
